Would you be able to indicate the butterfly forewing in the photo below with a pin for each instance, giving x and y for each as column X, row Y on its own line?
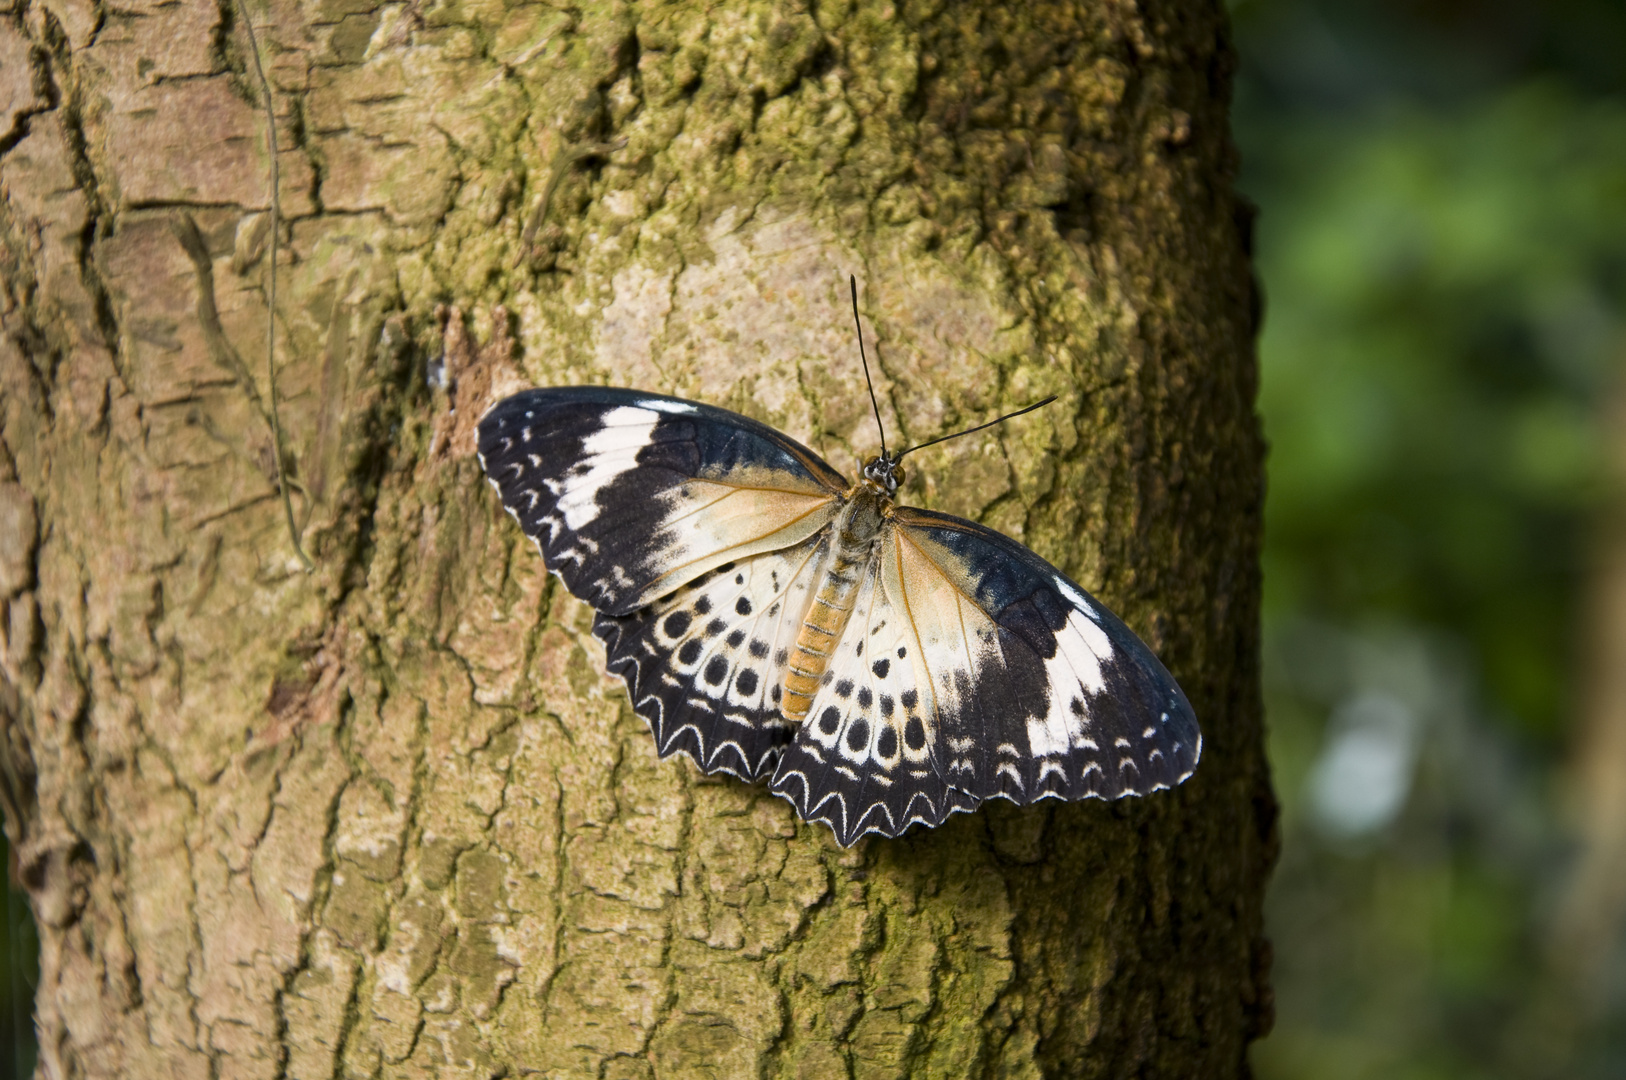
column 705, row 664
column 631, row 495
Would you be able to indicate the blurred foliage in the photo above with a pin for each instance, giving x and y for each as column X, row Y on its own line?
column 1444, row 306
column 1442, row 243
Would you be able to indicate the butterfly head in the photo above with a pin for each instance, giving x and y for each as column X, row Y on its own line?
column 885, row 473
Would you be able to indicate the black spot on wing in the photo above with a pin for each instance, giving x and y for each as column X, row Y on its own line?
column 1034, row 619
column 914, row 732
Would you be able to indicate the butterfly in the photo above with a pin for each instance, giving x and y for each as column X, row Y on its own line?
column 880, row 665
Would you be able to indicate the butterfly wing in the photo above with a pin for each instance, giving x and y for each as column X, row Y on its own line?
column 1056, row 697
column 705, row 665
column 631, row 495
column 870, row 756
column 973, row 669
column 695, row 532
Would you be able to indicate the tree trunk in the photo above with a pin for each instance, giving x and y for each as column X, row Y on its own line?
column 390, row 816
column 1587, row 929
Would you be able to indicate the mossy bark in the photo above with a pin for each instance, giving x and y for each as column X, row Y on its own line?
column 390, row 817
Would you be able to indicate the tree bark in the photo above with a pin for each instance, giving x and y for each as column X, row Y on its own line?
column 1587, row 929
column 390, row 817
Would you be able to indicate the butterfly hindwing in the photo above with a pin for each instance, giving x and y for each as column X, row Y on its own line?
column 632, row 495
column 704, row 666
column 870, row 757
column 1061, row 700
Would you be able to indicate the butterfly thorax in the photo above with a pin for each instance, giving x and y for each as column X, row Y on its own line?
column 855, row 533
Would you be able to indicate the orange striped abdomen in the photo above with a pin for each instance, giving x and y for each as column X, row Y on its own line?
column 855, row 529
column 821, row 628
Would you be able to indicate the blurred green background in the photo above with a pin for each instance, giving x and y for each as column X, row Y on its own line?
column 1442, row 243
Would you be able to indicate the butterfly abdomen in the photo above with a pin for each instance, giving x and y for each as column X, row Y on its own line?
column 821, row 628
column 832, row 604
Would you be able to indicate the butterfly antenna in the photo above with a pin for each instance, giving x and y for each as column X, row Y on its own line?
column 852, row 280
column 979, row 427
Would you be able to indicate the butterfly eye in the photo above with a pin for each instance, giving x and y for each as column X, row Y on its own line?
column 897, row 477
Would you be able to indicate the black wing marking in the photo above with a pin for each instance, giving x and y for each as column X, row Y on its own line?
column 705, row 665
column 630, row 495
column 1062, row 700
column 869, row 757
